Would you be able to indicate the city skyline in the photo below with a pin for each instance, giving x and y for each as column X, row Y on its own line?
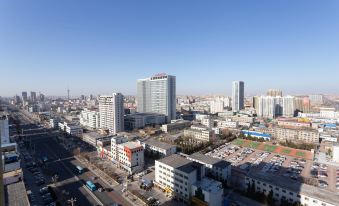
column 120, row 42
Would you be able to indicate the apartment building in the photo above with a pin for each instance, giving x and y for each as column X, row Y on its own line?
column 90, row 119
column 111, row 109
column 302, row 135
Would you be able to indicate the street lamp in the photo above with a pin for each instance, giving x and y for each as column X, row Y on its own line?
column 72, row 201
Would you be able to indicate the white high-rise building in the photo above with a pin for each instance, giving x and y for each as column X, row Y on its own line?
column 4, row 130
column 111, row 110
column 216, row 106
column 267, row 106
column 157, row 94
column 238, row 94
column 316, row 99
column 288, row 106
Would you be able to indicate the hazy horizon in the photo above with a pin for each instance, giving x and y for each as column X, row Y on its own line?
column 102, row 47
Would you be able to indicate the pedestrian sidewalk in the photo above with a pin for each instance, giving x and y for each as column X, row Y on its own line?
column 132, row 199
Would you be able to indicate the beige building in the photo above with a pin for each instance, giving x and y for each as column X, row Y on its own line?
column 199, row 133
column 305, row 135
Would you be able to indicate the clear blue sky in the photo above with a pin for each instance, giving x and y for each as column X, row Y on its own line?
column 105, row 46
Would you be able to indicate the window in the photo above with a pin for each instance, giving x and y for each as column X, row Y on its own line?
column 270, row 186
column 277, row 188
column 264, row 184
column 306, row 198
column 284, row 191
column 291, row 193
column 298, row 196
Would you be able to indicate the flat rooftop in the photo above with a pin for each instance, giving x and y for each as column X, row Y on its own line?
column 210, row 185
column 175, row 161
column 208, row 159
column 159, row 144
column 323, row 194
column 131, row 145
column 180, row 163
column 16, row 194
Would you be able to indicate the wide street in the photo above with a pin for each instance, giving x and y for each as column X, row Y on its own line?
column 43, row 142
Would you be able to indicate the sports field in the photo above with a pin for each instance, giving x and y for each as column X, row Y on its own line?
column 274, row 148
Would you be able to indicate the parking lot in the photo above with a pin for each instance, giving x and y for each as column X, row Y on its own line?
column 293, row 168
column 36, row 181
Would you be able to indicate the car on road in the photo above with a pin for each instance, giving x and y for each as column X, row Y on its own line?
column 44, row 190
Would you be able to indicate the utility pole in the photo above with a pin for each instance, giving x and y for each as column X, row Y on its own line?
column 72, row 201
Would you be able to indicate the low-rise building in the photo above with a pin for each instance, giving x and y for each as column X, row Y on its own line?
column 292, row 192
column 207, row 192
column 127, row 155
column 185, row 181
column 199, row 133
column 256, row 134
column 71, row 128
column 161, row 148
column 91, row 138
column 227, row 124
column 289, row 123
column 141, row 120
column 215, row 168
column 90, row 118
column 303, row 135
column 54, row 122
column 175, row 125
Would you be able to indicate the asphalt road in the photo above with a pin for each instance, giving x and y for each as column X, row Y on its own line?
column 43, row 143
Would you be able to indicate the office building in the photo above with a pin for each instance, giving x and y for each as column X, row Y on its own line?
column 141, row 120
column 111, row 111
column 274, row 93
column 157, row 94
column 33, row 97
column 237, row 96
column 127, row 155
column 185, row 180
column 199, row 133
column 175, row 125
column 24, row 96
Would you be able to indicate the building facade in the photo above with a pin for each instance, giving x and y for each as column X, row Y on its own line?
column 111, row 111
column 90, row 118
column 238, row 95
column 157, row 94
